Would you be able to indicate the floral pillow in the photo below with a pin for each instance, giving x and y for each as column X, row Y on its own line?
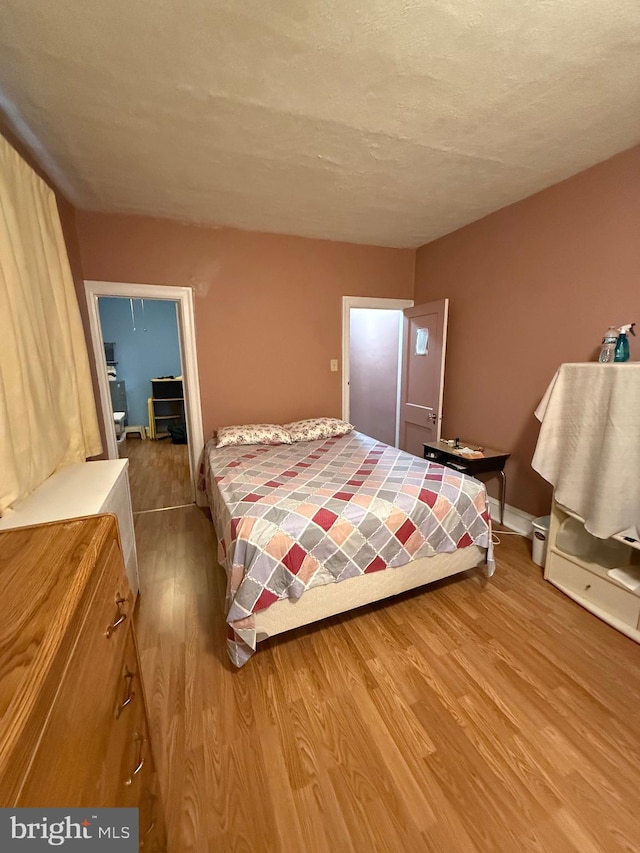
column 313, row 429
column 229, row 436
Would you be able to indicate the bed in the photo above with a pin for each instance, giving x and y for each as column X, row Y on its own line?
column 315, row 528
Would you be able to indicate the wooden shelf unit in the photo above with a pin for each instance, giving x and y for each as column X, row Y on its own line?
column 166, row 405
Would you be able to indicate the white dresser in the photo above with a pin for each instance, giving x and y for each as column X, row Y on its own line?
column 86, row 488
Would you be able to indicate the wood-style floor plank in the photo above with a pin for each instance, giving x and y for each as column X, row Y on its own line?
column 159, row 475
column 470, row 717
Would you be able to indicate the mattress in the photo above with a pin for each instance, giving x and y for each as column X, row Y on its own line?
column 291, row 518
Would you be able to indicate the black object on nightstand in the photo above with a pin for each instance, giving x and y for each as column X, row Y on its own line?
column 491, row 462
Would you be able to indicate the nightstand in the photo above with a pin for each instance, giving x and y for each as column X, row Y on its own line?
column 491, row 462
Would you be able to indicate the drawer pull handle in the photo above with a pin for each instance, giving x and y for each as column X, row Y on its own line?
column 152, row 816
column 141, row 739
column 119, row 618
column 129, row 694
column 588, row 586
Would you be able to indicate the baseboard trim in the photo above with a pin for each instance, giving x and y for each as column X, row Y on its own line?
column 514, row 518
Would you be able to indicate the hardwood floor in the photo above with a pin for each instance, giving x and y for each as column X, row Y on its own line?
column 469, row 717
column 158, row 473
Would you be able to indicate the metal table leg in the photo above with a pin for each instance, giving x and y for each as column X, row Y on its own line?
column 503, row 490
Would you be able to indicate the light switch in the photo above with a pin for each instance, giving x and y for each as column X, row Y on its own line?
column 334, row 365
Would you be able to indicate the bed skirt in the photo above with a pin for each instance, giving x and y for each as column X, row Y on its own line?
column 320, row 602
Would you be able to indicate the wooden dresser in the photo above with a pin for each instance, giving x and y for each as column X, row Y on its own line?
column 73, row 724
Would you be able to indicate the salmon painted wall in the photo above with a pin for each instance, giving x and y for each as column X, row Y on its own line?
column 532, row 286
column 268, row 308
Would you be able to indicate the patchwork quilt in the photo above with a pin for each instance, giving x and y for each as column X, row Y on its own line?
column 296, row 516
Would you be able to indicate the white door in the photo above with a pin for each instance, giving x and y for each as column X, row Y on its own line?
column 423, row 353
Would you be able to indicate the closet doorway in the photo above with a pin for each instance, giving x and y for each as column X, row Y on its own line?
column 372, row 362
column 393, row 355
column 144, row 346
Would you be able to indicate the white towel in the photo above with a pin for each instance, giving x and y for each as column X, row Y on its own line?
column 589, row 444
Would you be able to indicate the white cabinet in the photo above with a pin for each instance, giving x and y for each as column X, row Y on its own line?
column 86, row 488
column 580, row 565
column 588, row 449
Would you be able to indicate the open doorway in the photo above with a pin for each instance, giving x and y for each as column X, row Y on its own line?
column 372, row 361
column 144, row 345
column 142, row 354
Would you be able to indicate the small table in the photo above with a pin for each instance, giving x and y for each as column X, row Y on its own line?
column 491, row 462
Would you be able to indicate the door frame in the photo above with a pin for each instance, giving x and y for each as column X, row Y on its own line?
column 349, row 302
column 183, row 297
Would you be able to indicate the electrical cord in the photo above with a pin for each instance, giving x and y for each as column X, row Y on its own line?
column 495, row 539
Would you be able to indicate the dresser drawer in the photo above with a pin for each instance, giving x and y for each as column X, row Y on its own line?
column 127, row 744
column 154, row 838
column 152, row 829
column 592, row 590
column 66, row 766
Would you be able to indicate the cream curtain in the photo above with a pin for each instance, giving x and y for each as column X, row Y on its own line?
column 47, row 409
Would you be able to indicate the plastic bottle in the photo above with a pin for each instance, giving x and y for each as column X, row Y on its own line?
column 622, row 344
column 608, row 351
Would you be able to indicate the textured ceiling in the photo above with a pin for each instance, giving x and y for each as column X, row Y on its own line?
column 388, row 122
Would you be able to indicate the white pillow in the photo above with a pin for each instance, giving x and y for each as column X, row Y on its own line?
column 313, row 429
column 229, row 436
